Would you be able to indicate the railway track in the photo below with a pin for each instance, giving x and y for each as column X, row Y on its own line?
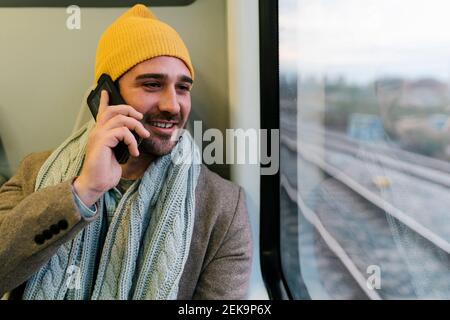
column 413, row 259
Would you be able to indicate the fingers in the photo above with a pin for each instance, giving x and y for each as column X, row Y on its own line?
column 111, row 111
column 106, row 112
column 104, row 102
column 131, row 123
column 116, row 135
column 116, row 123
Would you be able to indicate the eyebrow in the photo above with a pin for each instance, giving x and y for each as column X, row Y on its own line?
column 162, row 76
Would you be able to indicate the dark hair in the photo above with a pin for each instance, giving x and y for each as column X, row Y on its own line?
column 116, row 83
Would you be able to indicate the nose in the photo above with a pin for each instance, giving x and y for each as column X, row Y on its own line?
column 168, row 102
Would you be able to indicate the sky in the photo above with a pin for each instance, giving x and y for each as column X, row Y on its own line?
column 366, row 39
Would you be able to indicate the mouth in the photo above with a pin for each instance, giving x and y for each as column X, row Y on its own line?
column 162, row 127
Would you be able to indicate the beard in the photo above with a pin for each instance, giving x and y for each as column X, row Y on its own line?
column 157, row 146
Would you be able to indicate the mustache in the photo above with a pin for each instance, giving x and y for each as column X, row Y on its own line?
column 160, row 117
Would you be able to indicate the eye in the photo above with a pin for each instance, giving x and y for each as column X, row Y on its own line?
column 152, row 85
column 183, row 87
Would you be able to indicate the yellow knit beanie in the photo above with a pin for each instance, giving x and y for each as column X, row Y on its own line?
column 136, row 36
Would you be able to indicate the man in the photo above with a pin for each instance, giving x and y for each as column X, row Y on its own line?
column 76, row 224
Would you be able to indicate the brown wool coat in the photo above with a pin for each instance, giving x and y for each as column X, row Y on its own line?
column 219, row 261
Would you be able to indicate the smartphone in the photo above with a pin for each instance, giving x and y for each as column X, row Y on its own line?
column 105, row 83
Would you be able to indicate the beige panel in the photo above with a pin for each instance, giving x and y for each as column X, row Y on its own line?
column 244, row 95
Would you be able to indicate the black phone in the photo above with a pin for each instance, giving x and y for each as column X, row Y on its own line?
column 105, row 83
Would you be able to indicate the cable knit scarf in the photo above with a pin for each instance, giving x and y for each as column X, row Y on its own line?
column 147, row 242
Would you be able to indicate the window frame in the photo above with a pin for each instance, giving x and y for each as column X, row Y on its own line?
column 270, row 189
column 270, row 254
column 89, row 3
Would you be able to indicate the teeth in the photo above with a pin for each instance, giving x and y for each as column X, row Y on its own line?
column 162, row 125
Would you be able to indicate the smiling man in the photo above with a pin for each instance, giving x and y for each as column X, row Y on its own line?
column 159, row 88
column 76, row 224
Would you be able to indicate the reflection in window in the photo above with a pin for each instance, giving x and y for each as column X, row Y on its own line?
column 365, row 148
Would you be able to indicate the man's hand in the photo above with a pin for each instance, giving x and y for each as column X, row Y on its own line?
column 101, row 171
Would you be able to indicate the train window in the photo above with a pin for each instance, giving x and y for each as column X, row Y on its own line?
column 365, row 148
column 89, row 3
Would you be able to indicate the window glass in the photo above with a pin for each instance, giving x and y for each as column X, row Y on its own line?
column 365, row 148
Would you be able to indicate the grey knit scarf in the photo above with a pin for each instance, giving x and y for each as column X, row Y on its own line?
column 147, row 242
